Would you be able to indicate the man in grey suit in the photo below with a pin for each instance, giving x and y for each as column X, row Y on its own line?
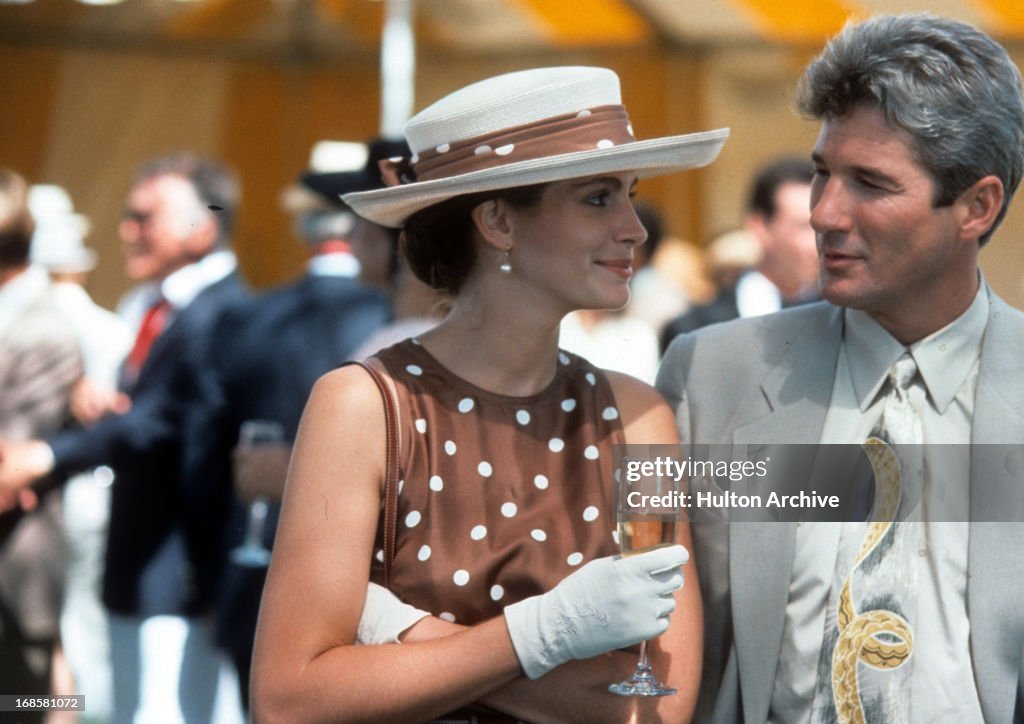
column 920, row 150
column 39, row 362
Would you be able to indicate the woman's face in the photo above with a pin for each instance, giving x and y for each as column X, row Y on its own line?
column 575, row 246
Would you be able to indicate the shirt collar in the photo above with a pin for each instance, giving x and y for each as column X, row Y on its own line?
column 944, row 358
column 184, row 285
column 334, row 264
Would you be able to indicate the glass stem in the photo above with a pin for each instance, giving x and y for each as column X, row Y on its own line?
column 643, row 665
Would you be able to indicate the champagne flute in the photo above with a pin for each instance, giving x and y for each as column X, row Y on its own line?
column 643, row 525
column 253, row 553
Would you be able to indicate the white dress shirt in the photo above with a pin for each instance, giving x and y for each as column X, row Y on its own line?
column 942, row 679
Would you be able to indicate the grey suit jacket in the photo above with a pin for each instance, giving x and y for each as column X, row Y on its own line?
column 39, row 362
column 769, row 380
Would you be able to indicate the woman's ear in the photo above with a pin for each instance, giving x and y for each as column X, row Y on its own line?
column 982, row 203
column 493, row 224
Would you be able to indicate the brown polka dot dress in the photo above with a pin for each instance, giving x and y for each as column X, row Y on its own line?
column 500, row 498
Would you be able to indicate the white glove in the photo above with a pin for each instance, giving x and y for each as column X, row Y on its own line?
column 608, row 604
column 385, row 617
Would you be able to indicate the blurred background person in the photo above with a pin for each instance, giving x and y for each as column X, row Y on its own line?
column 778, row 219
column 778, row 214
column 727, row 258
column 158, row 578
column 270, row 351
column 104, row 340
column 39, row 363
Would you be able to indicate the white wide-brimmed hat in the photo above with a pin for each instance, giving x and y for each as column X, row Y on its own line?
column 523, row 128
column 58, row 243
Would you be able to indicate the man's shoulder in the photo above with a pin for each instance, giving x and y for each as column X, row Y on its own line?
column 776, row 329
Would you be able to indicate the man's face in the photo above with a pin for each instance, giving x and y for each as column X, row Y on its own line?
column 883, row 247
column 164, row 228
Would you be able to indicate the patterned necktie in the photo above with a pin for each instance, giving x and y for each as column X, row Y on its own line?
column 865, row 666
column 153, row 324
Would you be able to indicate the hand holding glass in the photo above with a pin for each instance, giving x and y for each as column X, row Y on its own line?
column 642, row 527
column 252, row 553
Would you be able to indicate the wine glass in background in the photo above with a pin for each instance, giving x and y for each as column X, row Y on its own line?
column 252, row 553
column 643, row 526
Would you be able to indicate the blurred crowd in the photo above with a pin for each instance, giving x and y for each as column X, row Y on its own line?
column 143, row 451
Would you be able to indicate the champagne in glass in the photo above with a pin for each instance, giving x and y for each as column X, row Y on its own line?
column 643, row 527
column 640, row 532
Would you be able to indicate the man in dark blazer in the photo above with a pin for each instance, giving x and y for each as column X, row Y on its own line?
column 157, row 582
column 911, row 181
column 271, row 349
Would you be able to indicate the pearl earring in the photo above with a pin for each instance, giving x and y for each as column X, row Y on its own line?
column 506, row 265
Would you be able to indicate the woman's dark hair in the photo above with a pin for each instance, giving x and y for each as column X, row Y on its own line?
column 438, row 240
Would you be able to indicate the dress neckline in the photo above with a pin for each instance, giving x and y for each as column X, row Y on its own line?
column 416, row 349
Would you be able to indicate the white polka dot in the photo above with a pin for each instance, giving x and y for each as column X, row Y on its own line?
column 449, row 447
column 413, row 519
column 591, row 513
column 401, row 484
column 591, row 379
column 436, row 483
column 509, row 510
column 414, row 370
column 497, row 592
column 541, row 482
column 416, row 341
column 555, row 444
column 482, row 150
column 563, row 358
column 574, row 559
column 591, row 453
column 505, row 150
column 421, row 425
column 443, row 148
column 569, row 405
column 583, row 114
column 538, row 535
column 379, row 556
column 415, row 158
column 523, row 417
column 479, row 532
column 485, row 469
column 423, row 553
column 394, row 159
column 461, row 577
column 610, row 413
column 445, row 616
column 605, row 143
column 465, row 404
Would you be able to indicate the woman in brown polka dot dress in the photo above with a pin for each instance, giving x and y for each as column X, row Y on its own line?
column 518, row 202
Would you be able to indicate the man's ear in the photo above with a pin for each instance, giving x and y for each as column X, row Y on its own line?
column 980, row 205
column 203, row 236
column 492, row 222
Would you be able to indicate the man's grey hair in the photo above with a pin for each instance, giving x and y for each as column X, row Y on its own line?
column 949, row 85
column 216, row 187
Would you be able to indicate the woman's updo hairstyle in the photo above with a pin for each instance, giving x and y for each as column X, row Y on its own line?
column 438, row 241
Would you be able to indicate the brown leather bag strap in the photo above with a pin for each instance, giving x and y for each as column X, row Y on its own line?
column 391, row 467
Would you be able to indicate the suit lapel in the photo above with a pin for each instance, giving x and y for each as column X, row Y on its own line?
column 796, row 394
column 995, row 586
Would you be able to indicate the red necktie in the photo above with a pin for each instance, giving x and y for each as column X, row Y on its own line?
column 152, row 325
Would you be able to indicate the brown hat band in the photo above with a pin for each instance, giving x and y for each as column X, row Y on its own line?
column 602, row 127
